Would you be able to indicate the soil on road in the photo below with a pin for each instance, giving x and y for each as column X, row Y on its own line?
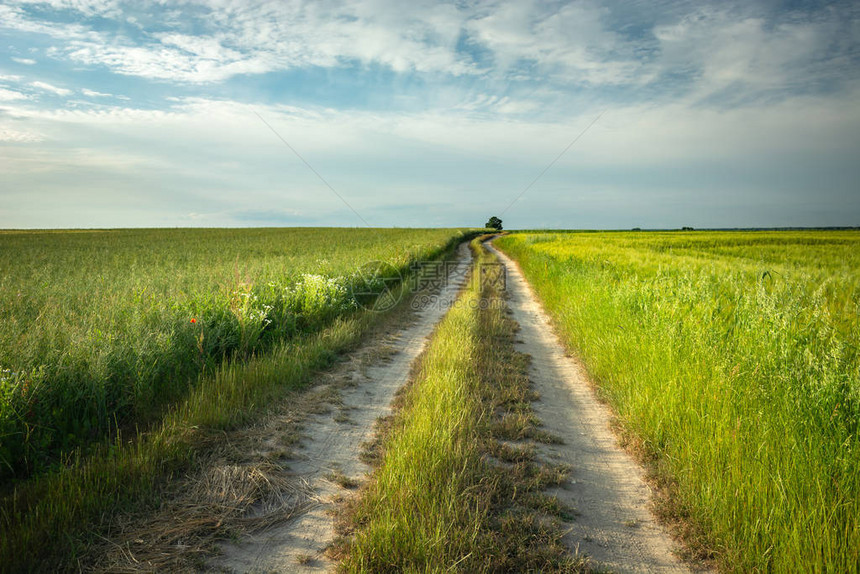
column 613, row 525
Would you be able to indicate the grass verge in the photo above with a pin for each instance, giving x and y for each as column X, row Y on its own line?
column 456, row 489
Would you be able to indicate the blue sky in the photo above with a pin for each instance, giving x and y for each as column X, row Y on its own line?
column 124, row 114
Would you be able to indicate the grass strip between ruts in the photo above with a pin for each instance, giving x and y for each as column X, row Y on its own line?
column 457, row 487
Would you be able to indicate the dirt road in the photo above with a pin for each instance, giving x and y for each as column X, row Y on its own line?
column 614, row 526
column 329, row 456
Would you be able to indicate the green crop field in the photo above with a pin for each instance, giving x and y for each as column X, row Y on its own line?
column 101, row 330
column 733, row 358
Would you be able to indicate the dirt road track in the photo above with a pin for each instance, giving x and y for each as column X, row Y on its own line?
column 333, row 444
column 614, row 526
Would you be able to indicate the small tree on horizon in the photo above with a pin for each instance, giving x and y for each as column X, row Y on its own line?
column 494, row 223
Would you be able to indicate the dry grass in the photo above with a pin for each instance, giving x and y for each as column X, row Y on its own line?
column 342, row 480
column 226, row 501
column 242, row 485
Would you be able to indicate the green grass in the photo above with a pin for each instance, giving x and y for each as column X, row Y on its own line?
column 438, row 502
column 102, row 330
column 733, row 358
column 50, row 520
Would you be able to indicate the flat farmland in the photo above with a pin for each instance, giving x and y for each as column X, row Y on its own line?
column 731, row 360
column 100, row 330
column 232, row 400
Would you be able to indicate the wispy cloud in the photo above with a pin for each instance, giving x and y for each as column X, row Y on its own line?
column 15, row 136
column 46, row 87
column 10, row 95
column 587, row 43
column 240, row 38
column 85, row 7
column 573, row 44
column 95, row 94
column 733, row 58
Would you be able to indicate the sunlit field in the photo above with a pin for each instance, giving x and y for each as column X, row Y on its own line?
column 101, row 330
column 733, row 357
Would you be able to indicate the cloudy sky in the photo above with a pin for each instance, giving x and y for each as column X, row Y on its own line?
column 158, row 113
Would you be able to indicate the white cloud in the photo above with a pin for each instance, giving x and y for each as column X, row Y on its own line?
column 85, row 7
column 15, row 18
column 254, row 39
column 26, row 61
column 748, row 54
column 101, row 116
column 718, row 88
column 95, row 94
column 59, row 160
column 573, row 43
column 44, row 86
column 511, row 106
column 11, row 95
column 635, row 135
column 204, row 151
column 17, row 136
column 163, row 62
column 489, row 103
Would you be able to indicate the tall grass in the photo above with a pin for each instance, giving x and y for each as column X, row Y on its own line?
column 100, row 330
column 734, row 358
column 47, row 523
